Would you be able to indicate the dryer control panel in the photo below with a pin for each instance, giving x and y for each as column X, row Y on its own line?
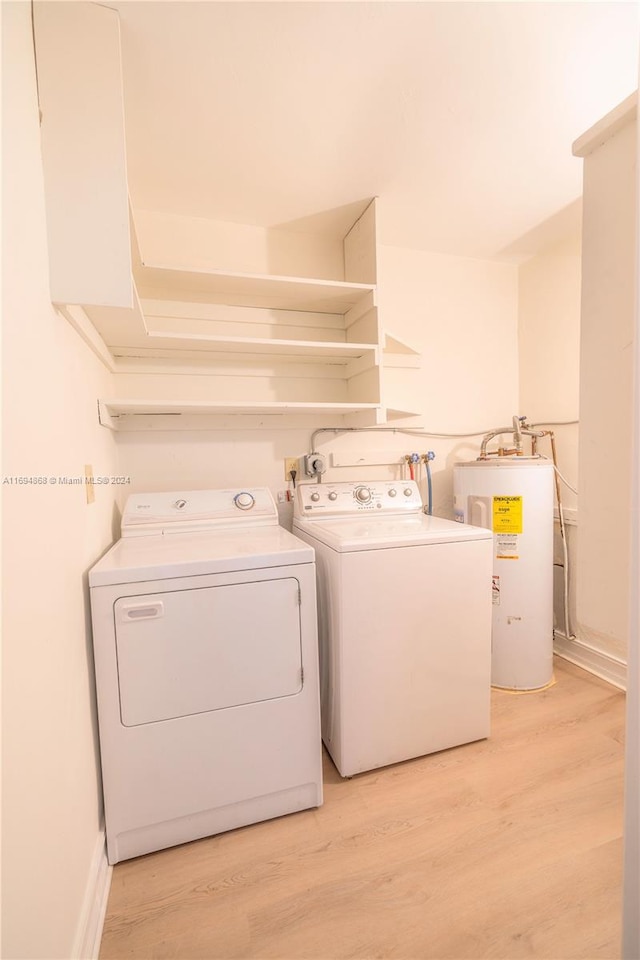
column 192, row 511
column 317, row 500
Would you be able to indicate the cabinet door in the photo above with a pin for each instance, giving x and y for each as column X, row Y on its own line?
column 83, row 153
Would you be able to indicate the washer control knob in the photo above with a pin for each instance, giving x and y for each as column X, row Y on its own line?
column 363, row 494
column 393, row 492
column 244, row 500
column 408, row 491
column 315, row 497
column 333, row 495
column 180, row 504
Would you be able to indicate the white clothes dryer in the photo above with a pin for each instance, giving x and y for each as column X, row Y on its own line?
column 206, row 660
column 404, row 622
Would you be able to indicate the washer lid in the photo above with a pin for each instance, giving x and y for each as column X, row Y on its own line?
column 137, row 559
column 381, row 533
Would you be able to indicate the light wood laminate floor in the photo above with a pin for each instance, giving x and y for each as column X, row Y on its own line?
column 506, row 848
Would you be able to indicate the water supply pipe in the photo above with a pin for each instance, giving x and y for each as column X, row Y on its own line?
column 427, row 458
column 519, row 428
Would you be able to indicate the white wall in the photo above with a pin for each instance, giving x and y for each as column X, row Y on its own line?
column 197, row 243
column 460, row 314
column 549, row 331
column 51, row 536
column 549, row 345
column 606, row 383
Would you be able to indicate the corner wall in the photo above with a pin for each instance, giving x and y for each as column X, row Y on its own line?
column 51, row 831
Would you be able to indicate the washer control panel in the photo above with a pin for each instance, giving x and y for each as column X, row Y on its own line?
column 317, row 500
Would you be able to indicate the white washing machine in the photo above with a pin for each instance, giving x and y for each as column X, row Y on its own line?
column 206, row 658
column 404, row 605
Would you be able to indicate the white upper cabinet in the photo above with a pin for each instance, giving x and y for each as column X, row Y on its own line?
column 83, row 153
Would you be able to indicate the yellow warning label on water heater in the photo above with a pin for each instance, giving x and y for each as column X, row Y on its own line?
column 507, row 514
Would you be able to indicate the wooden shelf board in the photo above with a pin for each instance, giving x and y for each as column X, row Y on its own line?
column 188, row 414
column 309, row 350
column 199, row 422
column 247, row 289
column 118, row 408
column 125, row 335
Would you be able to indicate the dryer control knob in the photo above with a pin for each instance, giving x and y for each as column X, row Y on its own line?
column 244, row 500
column 333, row 495
column 315, row 496
column 408, row 492
column 363, row 494
column 180, row 504
column 393, row 492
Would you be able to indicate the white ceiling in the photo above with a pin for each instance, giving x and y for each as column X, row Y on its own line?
column 459, row 116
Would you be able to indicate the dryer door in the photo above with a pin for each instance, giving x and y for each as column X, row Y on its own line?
column 190, row 651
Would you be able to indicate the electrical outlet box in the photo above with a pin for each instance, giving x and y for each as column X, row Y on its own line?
column 315, row 464
column 291, row 463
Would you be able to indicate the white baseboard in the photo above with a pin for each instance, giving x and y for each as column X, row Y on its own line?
column 94, row 907
column 601, row 664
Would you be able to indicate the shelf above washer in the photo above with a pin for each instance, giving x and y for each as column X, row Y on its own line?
column 161, row 281
column 127, row 414
column 113, row 412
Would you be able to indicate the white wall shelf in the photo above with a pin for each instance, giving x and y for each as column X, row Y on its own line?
column 161, row 315
column 257, row 345
column 127, row 332
column 249, row 290
column 165, row 344
column 235, row 325
column 113, row 412
column 128, row 415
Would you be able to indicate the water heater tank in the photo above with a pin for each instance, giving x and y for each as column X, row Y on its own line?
column 513, row 497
